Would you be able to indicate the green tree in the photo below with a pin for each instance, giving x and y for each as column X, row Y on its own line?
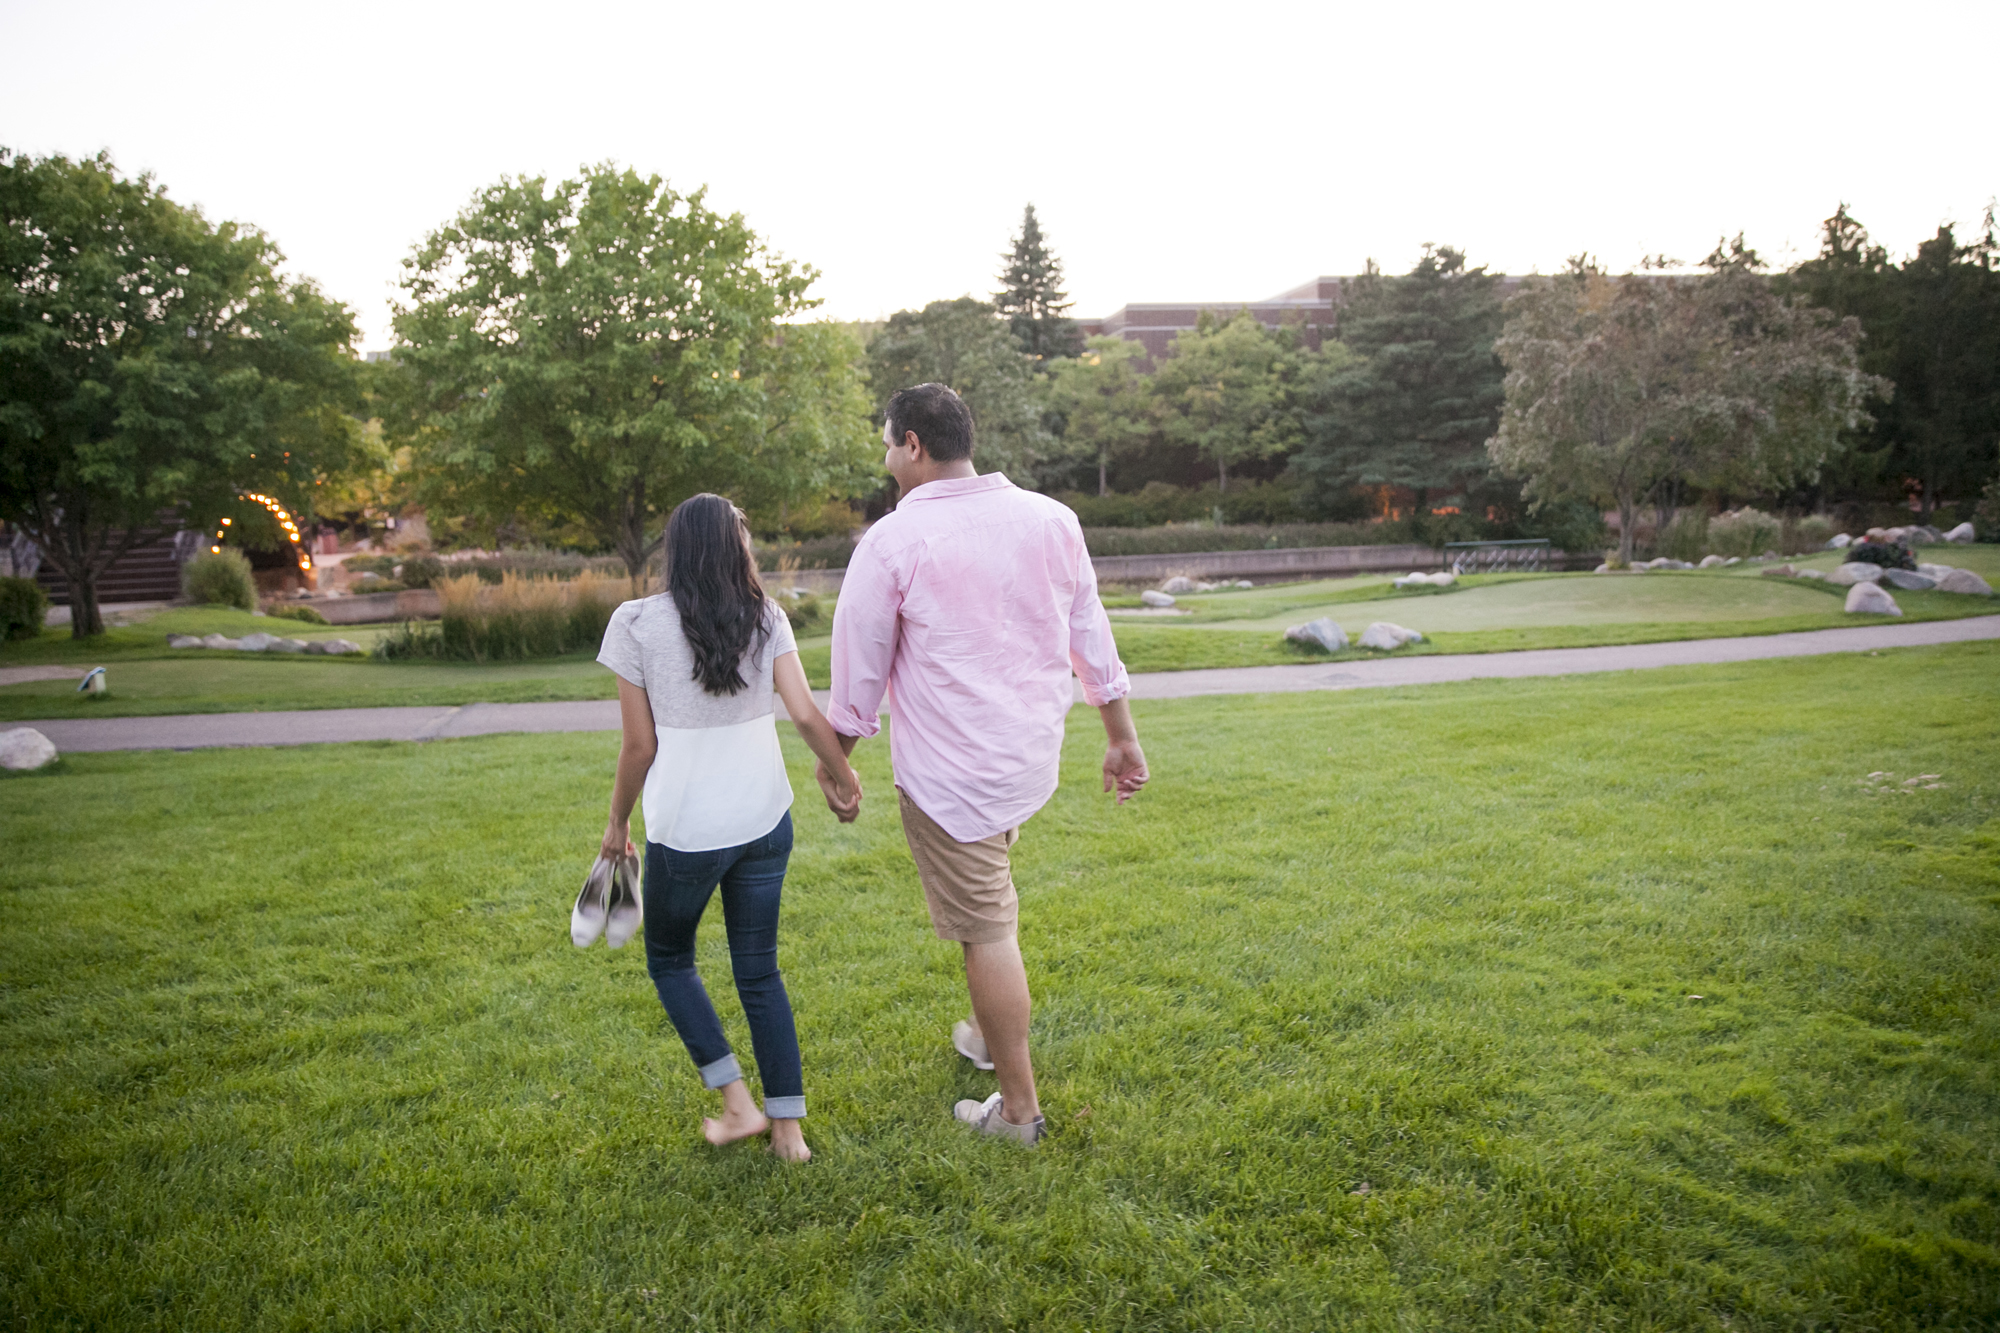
column 1105, row 403
column 963, row 344
column 1420, row 396
column 151, row 361
column 1933, row 329
column 588, row 353
column 1617, row 387
column 1031, row 297
column 1225, row 388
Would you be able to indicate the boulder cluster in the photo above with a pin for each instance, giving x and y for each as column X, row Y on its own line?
column 1917, row 534
column 265, row 643
column 1443, row 579
column 1182, row 583
column 1324, row 633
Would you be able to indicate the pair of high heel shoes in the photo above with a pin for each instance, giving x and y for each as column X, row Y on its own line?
column 609, row 904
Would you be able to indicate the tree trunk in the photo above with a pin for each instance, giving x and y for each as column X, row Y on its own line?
column 1221, row 475
column 1628, row 520
column 1103, row 489
column 632, row 546
column 85, row 619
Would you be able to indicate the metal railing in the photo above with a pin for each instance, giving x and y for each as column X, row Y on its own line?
column 1531, row 554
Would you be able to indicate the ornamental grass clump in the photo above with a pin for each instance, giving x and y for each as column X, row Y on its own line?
column 515, row 619
column 220, row 578
column 1744, row 532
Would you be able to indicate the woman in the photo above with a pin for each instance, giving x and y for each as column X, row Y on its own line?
column 696, row 668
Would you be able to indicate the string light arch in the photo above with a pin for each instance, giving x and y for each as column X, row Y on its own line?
column 286, row 523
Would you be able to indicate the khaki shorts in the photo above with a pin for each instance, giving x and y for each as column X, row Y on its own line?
column 968, row 886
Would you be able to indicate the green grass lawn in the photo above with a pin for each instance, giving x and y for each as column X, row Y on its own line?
column 1580, row 1003
column 1487, row 613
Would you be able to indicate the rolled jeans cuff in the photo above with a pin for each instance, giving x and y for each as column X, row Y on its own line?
column 785, row 1108
column 721, row 1072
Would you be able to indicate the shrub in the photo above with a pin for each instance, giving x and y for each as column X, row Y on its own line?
column 23, row 608
column 1575, row 526
column 220, row 578
column 1986, row 514
column 1686, row 537
column 412, row 638
column 1745, row 532
column 1889, row 555
column 1810, row 533
column 293, row 611
column 804, row 612
column 819, row 553
column 1174, row 540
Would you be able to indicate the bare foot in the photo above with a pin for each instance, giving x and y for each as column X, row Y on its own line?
column 789, row 1142
column 734, row 1125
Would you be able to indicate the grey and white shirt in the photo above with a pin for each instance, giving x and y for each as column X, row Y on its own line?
column 719, row 777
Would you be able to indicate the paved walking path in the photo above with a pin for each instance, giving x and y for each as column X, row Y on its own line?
column 197, row 731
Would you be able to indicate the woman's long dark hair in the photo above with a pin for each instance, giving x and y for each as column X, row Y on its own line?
column 716, row 589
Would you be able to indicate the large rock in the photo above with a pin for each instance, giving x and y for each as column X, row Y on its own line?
column 288, row 645
column 24, row 748
column 1443, row 579
column 1909, row 580
column 1151, row 598
column 1178, row 583
column 1840, row 542
column 1777, row 572
column 1962, row 533
column 1869, row 599
column 256, row 643
column 336, row 647
column 218, row 641
column 1385, row 637
column 1815, row 574
column 1711, row 562
column 1321, row 633
column 1965, row 581
column 1855, row 571
column 184, row 641
column 1922, row 534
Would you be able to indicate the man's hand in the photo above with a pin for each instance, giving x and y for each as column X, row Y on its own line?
column 844, row 801
column 1124, row 769
column 617, row 841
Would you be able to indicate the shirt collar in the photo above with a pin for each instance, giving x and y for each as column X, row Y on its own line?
column 944, row 490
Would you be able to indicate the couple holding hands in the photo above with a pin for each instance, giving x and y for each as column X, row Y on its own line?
column 967, row 609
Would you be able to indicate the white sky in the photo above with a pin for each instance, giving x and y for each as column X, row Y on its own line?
column 1197, row 152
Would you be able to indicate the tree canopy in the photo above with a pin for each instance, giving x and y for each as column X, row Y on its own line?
column 1031, row 298
column 1104, row 401
column 1616, row 387
column 964, row 344
column 1932, row 327
column 1225, row 388
column 590, row 352
column 151, row 361
column 1416, row 402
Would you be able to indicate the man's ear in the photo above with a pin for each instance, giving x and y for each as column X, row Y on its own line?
column 910, row 441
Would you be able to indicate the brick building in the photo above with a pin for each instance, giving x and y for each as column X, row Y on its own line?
column 1310, row 305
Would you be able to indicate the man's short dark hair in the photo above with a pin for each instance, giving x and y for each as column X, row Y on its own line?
column 940, row 418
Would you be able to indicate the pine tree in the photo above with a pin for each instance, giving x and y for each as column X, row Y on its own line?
column 1031, row 296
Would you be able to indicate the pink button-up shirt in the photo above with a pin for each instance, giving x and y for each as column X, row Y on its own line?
column 969, row 606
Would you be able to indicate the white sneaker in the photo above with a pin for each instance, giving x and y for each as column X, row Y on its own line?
column 627, row 912
column 593, row 905
column 986, row 1118
column 970, row 1045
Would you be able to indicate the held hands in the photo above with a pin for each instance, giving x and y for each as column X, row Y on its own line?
column 843, row 794
column 1124, row 769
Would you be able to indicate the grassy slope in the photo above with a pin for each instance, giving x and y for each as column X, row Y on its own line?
column 1627, row 1004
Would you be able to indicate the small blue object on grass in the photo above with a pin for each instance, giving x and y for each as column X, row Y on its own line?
column 93, row 682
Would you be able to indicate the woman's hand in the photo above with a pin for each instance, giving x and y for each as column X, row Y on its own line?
column 843, row 794
column 617, row 841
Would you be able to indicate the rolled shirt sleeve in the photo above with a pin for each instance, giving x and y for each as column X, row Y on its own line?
column 1093, row 653
column 864, row 643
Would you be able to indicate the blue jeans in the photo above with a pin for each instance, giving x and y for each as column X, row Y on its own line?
column 752, row 876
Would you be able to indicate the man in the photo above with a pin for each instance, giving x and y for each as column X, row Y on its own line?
column 968, row 607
